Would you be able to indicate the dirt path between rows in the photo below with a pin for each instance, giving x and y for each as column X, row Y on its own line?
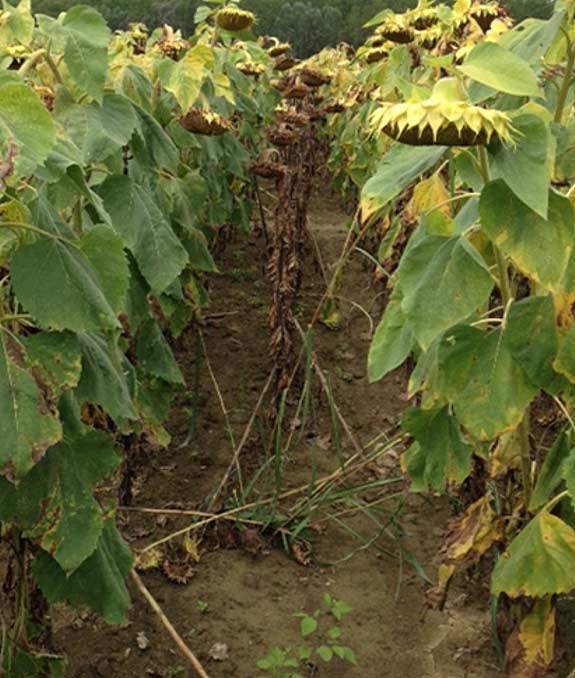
column 247, row 600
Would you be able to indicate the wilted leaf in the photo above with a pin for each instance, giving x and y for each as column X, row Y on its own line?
column 219, row 652
column 530, row 649
column 505, row 454
column 428, row 195
column 472, row 533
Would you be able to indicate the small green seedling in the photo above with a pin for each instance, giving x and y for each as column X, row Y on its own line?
column 321, row 633
column 203, row 606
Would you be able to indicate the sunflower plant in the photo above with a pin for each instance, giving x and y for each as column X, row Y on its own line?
column 478, row 134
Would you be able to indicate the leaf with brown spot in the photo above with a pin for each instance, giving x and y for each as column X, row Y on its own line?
column 55, row 506
column 28, row 422
column 58, row 358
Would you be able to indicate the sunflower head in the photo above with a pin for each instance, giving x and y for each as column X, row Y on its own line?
column 314, row 78
column 203, row 122
column 429, row 38
column 375, row 54
column 250, row 68
column 422, row 19
column 284, row 63
column 445, row 119
column 279, row 49
column 234, row 19
column 485, row 13
column 396, row 29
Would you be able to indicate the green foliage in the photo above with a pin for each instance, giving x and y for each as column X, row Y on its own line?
column 107, row 211
column 316, row 628
column 483, row 292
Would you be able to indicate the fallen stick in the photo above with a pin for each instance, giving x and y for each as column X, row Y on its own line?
column 182, row 647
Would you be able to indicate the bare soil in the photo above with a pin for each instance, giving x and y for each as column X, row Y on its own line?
column 249, row 599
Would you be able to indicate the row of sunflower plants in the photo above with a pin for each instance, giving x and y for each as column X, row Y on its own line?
column 473, row 120
column 122, row 156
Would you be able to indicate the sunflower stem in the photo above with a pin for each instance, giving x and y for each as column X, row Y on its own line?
column 506, row 297
column 564, row 91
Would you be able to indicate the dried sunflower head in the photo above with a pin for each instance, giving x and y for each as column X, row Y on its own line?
column 234, row 19
column 430, row 37
column 279, row 49
column 171, row 44
column 372, row 56
column 485, row 13
column 284, row 63
column 422, row 19
column 445, row 119
column 375, row 41
column 250, row 68
column 314, row 78
column 208, row 123
column 396, row 29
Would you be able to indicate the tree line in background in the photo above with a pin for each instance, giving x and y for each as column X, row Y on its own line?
column 309, row 25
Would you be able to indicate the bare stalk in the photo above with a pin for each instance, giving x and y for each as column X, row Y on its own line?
column 182, row 647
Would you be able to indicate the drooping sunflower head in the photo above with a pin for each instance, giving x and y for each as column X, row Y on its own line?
column 375, row 54
column 446, row 118
column 485, row 13
column 429, row 38
column 396, row 28
column 234, row 19
column 375, row 41
column 171, row 43
column 250, row 68
column 208, row 123
column 279, row 49
column 424, row 18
